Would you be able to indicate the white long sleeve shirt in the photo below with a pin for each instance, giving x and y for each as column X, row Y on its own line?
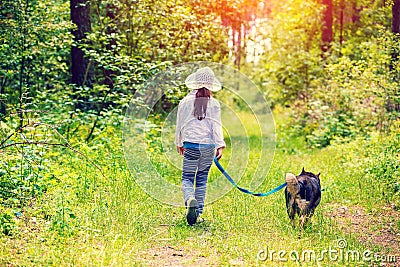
column 205, row 131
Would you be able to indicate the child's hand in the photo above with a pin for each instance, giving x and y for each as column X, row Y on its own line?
column 218, row 154
column 180, row 149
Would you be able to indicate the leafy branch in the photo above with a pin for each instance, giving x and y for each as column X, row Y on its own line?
column 66, row 144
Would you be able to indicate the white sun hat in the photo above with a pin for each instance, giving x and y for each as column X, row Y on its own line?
column 203, row 77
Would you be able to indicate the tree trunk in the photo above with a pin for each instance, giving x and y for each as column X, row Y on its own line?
column 396, row 17
column 355, row 17
column 267, row 7
column 327, row 33
column 396, row 31
column 342, row 8
column 239, row 48
column 395, row 51
column 81, row 69
column 3, row 106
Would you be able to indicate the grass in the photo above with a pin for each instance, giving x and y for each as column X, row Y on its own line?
column 91, row 220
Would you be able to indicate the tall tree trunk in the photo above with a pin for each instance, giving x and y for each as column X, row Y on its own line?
column 239, row 48
column 234, row 45
column 395, row 54
column 396, row 17
column 396, row 31
column 342, row 8
column 327, row 33
column 267, row 7
column 355, row 17
column 81, row 69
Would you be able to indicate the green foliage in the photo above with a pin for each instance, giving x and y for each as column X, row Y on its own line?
column 24, row 170
column 336, row 128
column 359, row 94
column 86, row 213
column 349, row 91
column 336, row 101
column 292, row 62
column 35, row 43
column 374, row 164
column 128, row 44
column 22, row 180
column 149, row 35
column 7, row 223
column 63, row 218
column 384, row 166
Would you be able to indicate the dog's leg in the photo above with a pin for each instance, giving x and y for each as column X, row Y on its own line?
column 290, row 206
column 292, row 213
column 303, row 205
column 302, row 221
column 293, row 197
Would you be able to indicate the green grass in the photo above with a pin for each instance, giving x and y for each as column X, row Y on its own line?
column 91, row 220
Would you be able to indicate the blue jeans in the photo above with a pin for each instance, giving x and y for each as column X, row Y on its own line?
column 197, row 160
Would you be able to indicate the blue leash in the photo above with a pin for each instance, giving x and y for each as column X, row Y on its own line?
column 244, row 190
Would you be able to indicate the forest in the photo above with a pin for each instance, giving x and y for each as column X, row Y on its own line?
column 71, row 192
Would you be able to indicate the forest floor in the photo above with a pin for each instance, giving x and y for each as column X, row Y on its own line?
column 86, row 219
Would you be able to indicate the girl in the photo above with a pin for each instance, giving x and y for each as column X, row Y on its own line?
column 198, row 133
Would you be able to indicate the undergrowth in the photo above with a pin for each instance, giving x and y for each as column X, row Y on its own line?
column 84, row 218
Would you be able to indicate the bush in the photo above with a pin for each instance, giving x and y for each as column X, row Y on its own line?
column 7, row 223
column 376, row 162
column 384, row 166
column 357, row 96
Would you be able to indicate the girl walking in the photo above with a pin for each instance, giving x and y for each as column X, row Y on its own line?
column 198, row 138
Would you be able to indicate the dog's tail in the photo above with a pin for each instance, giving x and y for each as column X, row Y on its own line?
column 293, row 186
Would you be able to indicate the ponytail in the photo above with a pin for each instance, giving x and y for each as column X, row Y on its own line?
column 201, row 102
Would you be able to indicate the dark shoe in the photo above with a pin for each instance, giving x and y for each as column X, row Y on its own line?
column 191, row 215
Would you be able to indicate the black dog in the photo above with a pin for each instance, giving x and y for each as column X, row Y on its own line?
column 303, row 194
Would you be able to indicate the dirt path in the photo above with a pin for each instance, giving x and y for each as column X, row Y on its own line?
column 172, row 256
column 378, row 227
column 375, row 227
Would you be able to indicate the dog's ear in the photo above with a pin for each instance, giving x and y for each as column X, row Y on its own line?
column 290, row 177
column 318, row 175
column 302, row 171
column 293, row 186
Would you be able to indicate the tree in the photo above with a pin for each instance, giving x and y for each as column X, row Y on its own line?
column 355, row 17
column 237, row 16
column 81, row 69
column 327, row 33
column 34, row 47
column 291, row 63
column 396, row 31
column 396, row 17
